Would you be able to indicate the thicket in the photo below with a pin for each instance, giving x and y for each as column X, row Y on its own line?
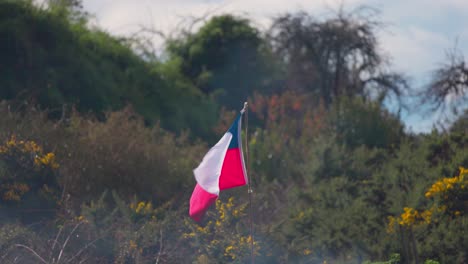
column 117, row 191
column 97, row 146
column 58, row 63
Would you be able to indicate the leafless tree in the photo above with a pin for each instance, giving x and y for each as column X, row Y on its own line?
column 335, row 57
column 448, row 90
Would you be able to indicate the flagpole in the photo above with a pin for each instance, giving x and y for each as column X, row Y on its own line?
column 252, row 252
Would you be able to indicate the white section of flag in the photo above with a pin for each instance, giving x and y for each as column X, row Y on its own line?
column 208, row 172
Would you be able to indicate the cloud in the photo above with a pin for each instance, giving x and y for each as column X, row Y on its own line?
column 122, row 15
column 414, row 50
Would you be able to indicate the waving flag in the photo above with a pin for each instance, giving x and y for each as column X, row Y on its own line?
column 222, row 168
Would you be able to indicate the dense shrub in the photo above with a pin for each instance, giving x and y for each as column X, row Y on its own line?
column 28, row 180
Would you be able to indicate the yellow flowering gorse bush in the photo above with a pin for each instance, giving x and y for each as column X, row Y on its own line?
column 18, row 148
column 410, row 217
column 142, row 208
column 450, row 190
column 446, row 184
column 221, row 237
column 27, row 168
column 14, row 191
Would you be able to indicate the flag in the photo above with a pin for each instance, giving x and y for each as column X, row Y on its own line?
column 222, row 168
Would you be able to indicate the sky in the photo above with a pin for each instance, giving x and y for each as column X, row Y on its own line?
column 416, row 36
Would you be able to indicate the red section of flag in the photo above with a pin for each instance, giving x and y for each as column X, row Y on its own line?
column 232, row 172
column 200, row 201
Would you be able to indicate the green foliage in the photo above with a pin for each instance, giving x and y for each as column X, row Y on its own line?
column 223, row 237
column 227, row 57
column 337, row 210
column 317, row 200
column 360, row 123
column 444, row 216
column 394, row 259
column 461, row 124
column 124, row 155
column 187, row 108
column 337, row 194
column 60, row 62
column 429, row 261
column 135, row 160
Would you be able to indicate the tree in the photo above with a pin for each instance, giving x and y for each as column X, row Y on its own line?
column 359, row 123
column 335, row 57
column 226, row 58
column 461, row 124
column 448, row 89
column 53, row 61
column 72, row 9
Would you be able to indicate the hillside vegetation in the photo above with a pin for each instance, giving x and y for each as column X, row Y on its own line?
column 99, row 137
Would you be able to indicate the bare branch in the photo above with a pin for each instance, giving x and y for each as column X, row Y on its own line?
column 449, row 86
column 160, row 245
column 32, row 251
column 55, row 242
column 66, row 241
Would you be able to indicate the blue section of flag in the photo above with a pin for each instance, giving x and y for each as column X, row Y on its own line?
column 234, row 130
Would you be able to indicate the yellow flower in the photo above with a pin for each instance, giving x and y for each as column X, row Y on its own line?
column 427, row 215
column 230, row 203
column 140, row 206
column 228, row 252
column 148, row 208
column 12, row 141
column 46, row 160
column 21, row 187
column 132, row 245
column 81, row 218
column 31, row 146
column 391, row 224
column 463, row 170
column 300, row 216
column 235, row 213
column 189, row 235
column 229, row 249
column 408, row 218
column 10, row 195
column 14, row 191
column 442, row 208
